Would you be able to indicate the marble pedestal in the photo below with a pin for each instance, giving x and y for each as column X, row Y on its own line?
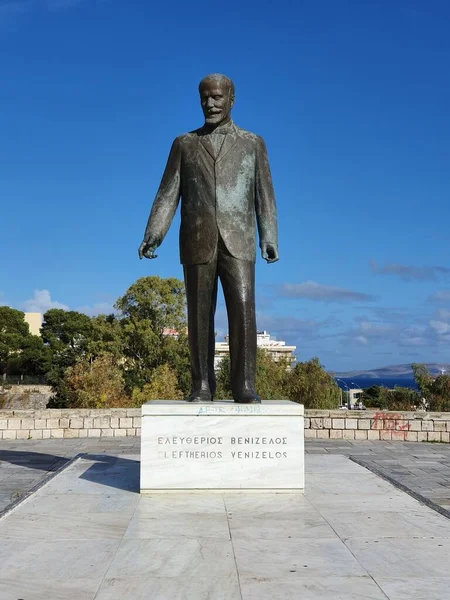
column 222, row 446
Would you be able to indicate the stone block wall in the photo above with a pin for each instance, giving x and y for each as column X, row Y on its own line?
column 12, row 400
column 319, row 424
column 30, row 387
column 377, row 425
column 70, row 423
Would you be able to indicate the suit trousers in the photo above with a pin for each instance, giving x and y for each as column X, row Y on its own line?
column 238, row 283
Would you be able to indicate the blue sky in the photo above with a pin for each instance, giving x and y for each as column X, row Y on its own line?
column 352, row 98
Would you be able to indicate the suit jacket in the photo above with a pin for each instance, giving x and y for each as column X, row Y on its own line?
column 228, row 195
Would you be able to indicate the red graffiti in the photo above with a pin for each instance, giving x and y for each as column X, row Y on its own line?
column 390, row 422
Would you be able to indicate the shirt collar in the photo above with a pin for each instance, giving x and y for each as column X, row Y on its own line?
column 222, row 129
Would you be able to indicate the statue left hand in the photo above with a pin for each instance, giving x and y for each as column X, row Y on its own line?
column 147, row 250
column 269, row 252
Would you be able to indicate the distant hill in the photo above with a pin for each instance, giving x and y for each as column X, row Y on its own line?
column 392, row 372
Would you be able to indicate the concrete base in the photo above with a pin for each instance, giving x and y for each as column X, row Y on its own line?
column 222, row 446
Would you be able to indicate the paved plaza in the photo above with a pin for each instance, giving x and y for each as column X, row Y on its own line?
column 421, row 468
column 88, row 534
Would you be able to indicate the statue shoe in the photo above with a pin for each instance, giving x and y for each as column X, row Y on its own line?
column 199, row 396
column 248, row 398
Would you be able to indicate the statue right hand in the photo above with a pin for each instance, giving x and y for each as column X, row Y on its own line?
column 145, row 249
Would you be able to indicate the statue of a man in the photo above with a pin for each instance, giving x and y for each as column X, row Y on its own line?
column 221, row 173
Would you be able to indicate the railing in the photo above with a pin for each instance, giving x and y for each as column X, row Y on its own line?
column 22, row 380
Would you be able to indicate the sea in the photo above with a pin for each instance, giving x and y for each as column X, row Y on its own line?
column 365, row 382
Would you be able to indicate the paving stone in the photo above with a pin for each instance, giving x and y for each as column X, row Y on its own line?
column 352, row 534
column 422, row 467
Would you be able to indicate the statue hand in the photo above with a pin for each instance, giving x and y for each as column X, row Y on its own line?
column 145, row 249
column 269, row 252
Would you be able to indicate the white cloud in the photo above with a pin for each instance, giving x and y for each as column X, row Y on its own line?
column 318, row 292
column 375, row 329
column 294, row 330
column 411, row 272
column 442, row 296
column 443, row 314
column 41, row 302
column 415, row 340
column 440, row 327
column 368, row 333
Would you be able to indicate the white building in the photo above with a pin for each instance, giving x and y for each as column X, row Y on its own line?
column 276, row 349
column 355, row 395
column 34, row 320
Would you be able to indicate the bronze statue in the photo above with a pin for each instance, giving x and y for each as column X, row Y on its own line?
column 221, row 173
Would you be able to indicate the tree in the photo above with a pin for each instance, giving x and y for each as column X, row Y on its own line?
column 106, row 336
column 135, row 337
column 312, row 386
column 434, row 389
column 95, row 384
column 175, row 353
column 440, row 394
column 400, row 398
column 163, row 385
column 33, row 357
column 66, row 328
column 159, row 302
column 223, row 389
column 271, row 377
column 14, row 331
column 423, row 379
column 371, row 396
column 149, row 308
column 307, row 383
column 21, row 353
column 67, row 335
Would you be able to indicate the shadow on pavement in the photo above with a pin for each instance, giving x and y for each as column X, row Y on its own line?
column 33, row 460
column 113, row 471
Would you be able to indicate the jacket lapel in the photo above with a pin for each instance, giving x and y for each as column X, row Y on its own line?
column 205, row 142
column 229, row 141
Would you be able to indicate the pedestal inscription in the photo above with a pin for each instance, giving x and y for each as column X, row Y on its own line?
column 222, row 446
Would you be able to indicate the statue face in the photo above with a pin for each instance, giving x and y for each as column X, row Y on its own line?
column 216, row 101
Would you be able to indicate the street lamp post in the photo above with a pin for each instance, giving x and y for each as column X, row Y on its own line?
column 358, row 387
column 348, row 392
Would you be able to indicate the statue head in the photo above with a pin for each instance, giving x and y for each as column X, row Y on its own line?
column 216, row 97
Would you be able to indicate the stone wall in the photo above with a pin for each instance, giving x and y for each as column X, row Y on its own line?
column 319, row 424
column 24, row 400
column 25, row 397
column 377, row 425
column 71, row 423
column 30, row 387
